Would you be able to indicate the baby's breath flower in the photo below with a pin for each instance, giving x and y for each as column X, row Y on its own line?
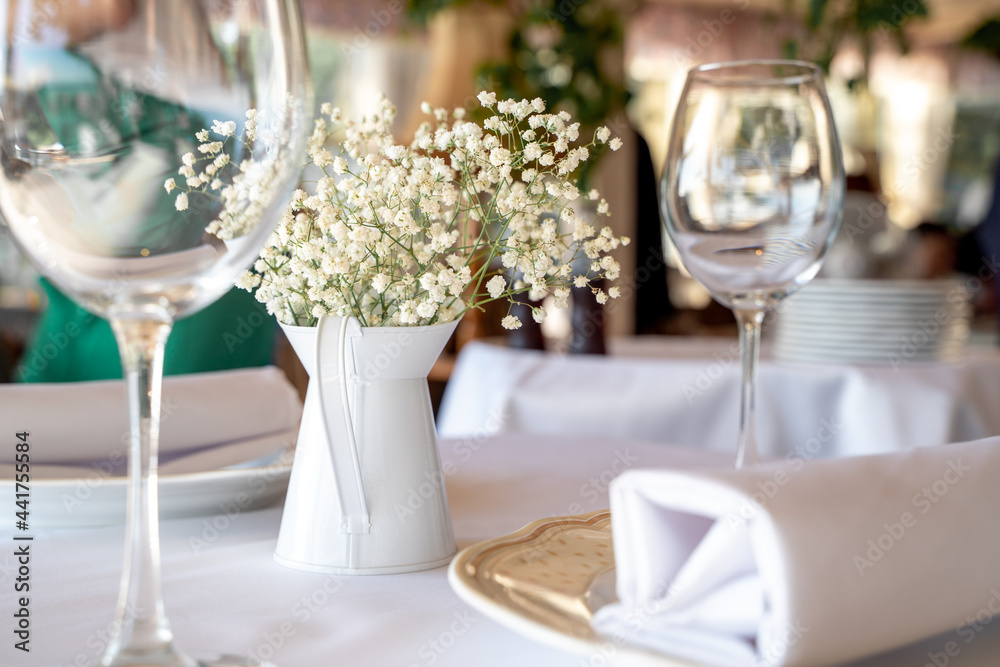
column 181, row 203
column 417, row 234
column 510, row 322
column 496, row 286
column 603, row 134
column 487, row 99
column 211, row 147
column 170, row 185
column 615, row 144
column 224, row 129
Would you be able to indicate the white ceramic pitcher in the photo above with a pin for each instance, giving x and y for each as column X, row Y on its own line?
column 366, row 494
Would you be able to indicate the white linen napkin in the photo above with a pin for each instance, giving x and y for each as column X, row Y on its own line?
column 806, row 563
column 79, row 423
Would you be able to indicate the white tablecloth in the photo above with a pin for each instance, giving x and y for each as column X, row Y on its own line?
column 224, row 592
column 685, row 392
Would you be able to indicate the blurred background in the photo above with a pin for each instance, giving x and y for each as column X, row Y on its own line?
column 915, row 86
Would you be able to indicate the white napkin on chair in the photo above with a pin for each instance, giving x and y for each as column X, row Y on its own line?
column 216, row 419
column 806, row 563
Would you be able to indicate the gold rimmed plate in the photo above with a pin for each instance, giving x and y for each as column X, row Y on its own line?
column 545, row 582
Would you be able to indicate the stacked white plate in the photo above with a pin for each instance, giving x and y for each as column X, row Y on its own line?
column 890, row 322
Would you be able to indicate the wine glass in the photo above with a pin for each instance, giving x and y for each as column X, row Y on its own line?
column 101, row 101
column 752, row 193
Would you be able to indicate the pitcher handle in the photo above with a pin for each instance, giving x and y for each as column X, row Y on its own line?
column 334, row 333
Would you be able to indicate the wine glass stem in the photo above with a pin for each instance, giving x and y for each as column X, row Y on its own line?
column 143, row 635
column 749, row 322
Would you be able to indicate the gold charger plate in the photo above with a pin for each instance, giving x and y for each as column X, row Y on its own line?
column 545, row 582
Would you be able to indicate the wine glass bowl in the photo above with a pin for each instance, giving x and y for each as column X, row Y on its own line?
column 94, row 128
column 105, row 109
column 752, row 191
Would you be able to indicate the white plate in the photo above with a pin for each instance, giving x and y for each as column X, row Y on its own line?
column 545, row 581
column 878, row 287
column 884, row 332
column 98, row 499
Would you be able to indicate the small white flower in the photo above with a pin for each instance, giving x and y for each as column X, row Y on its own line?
column 487, row 99
column 614, row 292
column 427, row 308
column 580, row 281
column 380, row 282
column 510, row 322
column 169, row 185
column 211, row 147
column 339, row 165
column 603, row 134
column 602, row 297
column 247, row 280
column 225, row 129
column 532, row 151
column 496, row 286
column 181, row 203
column 615, row 144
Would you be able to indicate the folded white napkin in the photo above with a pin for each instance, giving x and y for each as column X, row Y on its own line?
column 80, row 423
column 806, row 563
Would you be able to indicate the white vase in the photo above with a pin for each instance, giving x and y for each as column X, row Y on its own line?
column 366, row 494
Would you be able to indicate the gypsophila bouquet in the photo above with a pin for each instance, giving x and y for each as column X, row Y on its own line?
column 416, row 235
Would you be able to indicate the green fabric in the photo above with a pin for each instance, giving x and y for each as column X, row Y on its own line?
column 73, row 345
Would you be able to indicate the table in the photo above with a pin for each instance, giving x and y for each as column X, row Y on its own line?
column 224, row 592
column 685, row 392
